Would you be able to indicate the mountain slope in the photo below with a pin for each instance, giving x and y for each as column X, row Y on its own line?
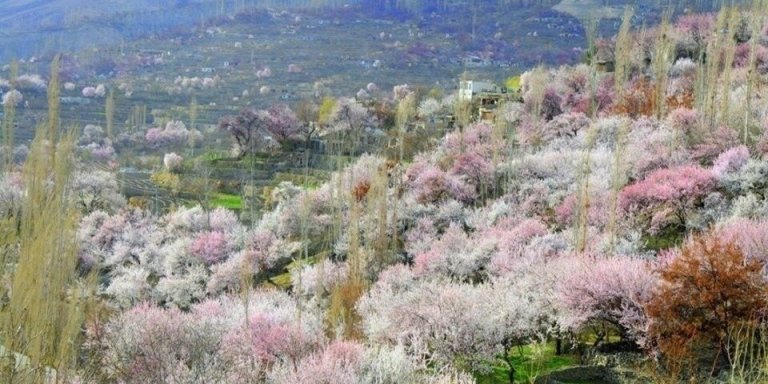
column 29, row 27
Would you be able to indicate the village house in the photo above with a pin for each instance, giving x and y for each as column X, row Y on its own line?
column 485, row 97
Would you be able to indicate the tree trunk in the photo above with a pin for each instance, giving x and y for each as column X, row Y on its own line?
column 600, row 336
column 508, row 360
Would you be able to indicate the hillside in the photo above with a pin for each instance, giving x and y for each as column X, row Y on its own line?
column 38, row 27
column 604, row 220
column 308, row 51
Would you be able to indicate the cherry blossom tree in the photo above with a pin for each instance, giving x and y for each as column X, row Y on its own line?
column 215, row 341
column 352, row 362
column 668, row 192
column 430, row 184
column 250, row 129
column 350, row 119
column 97, row 190
column 463, row 325
column 749, row 235
column 684, row 120
column 173, row 162
column 730, row 161
column 606, row 289
column 11, row 193
column 13, row 98
column 340, row 362
column 457, row 321
column 696, row 30
column 190, row 254
column 211, row 247
column 31, row 82
column 282, row 122
column 174, row 133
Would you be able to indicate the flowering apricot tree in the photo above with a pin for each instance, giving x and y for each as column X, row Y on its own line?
column 668, row 192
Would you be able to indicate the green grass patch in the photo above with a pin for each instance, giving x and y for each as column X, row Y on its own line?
column 228, row 201
column 667, row 238
column 210, row 156
column 499, row 375
column 225, row 158
column 530, row 361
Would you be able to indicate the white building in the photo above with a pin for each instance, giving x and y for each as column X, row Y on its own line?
column 468, row 89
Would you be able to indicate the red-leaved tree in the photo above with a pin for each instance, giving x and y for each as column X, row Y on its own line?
column 705, row 290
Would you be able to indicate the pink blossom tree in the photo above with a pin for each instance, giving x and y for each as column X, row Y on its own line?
column 428, row 184
column 215, row 341
column 750, row 236
column 695, row 29
column 174, row 133
column 250, row 131
column 743, row 57
column 340, row 362
column 455, row 255
column 267, row 339
column 211, row 247
column 730, row 161
column 354, row 363
column 684, row 120
column 605, row 289
column 668, row 192
column 183, row 251
column 476, row 170
column 462, row 167
column 282, row 122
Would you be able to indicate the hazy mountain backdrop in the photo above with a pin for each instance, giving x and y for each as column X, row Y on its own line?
column 35, row 27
